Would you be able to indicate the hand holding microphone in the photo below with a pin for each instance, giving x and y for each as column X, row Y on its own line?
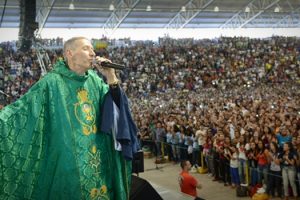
column 105, row 67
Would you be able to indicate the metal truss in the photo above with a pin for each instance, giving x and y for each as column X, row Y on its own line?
column 193, row 8
column 43, row 13
column 3, row 11
column 121, row 11
column 291, row 20
column 242, row 18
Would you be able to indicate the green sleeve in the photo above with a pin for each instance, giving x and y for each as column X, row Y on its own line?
column 21, row 135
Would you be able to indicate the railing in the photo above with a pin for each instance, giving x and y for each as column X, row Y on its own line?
column 42, row 56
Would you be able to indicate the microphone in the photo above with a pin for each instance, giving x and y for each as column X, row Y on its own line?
column 113, row 65
column 109, row 65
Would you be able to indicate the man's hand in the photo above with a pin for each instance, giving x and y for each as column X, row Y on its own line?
column 109, row 73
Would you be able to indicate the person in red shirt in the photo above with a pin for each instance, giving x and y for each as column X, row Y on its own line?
column 188, row 183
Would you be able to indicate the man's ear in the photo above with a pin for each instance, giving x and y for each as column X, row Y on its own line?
column 69, row 52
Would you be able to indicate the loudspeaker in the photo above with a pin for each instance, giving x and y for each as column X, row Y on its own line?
column 138, row 162
column 142, row 190
column 27, row 25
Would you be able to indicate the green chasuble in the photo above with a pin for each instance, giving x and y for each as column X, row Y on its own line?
column 51, row 146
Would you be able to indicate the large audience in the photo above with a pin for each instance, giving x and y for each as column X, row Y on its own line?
column 235, row 102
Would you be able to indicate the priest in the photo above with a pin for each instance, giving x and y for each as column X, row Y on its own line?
column 71, row 136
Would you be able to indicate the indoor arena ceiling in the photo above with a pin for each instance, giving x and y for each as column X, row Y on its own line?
column 160, row 13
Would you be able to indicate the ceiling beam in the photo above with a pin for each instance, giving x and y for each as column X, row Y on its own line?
column 118, row 15
column 182, row 18
column 291, row 20
column 287, row 18
column 43, row 14
column 3, row 11
column 242, row 18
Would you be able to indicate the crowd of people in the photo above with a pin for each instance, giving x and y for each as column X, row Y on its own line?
column 19, row 70
column 235, row 135
column 232, row 101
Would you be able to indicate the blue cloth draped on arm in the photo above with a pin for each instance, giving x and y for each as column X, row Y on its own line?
column 126, row 131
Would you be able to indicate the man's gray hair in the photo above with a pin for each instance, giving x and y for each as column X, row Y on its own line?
column 70, row 44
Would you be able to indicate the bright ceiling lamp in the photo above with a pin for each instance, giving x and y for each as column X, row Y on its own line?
column 183, row 9
column 216, row 9
column 71, row 6
column 277, row 9
column 111, row 7
column 148, row 8
column 247, row 9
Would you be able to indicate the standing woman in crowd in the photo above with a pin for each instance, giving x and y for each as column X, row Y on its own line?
column 169, row 142
column 202, row 136
column 234, row 171
column 175, row 143
column 262, row 163
column 288, row 160
column 207, row 153
column 217, row 146
column 266, row 138
column 242, row 147
column 283, row 136
column 188, row 143
column 160, row 135
column 226, row 178
column 252, row 160
column 196, row 150
column 183, row 149
column 274, row 178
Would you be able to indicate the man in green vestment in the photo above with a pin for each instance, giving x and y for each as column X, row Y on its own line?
column 51, row 146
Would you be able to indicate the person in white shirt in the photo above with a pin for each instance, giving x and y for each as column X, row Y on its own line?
column 234, row 172
column 242, row 147
column 201, row 135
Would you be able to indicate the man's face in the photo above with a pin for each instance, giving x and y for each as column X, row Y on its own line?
column 158, row 125
column 82, row 54
column 188, row 165
column 221, row 137
column 284, row 132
